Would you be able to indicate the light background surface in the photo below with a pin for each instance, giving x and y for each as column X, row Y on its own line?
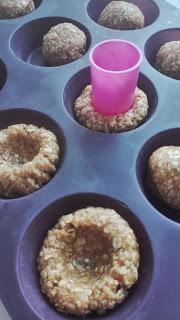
column 3, row 313
column 176, row 3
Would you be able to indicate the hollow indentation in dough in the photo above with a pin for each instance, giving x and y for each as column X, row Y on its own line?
column 88, row 261
column 28, row 158
column 18, row 150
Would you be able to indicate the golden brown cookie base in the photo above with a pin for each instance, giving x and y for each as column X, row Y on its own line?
column 28, row 158
column 86, row 115
column 88, row 261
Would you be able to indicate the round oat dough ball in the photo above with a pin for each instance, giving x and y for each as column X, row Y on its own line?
column 89, row 261
column 164, row 175
column 15, row 8
column 121, row 15
column 168, row 59
column 63, row 43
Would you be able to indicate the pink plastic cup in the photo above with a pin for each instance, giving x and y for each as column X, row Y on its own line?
column 114, row 74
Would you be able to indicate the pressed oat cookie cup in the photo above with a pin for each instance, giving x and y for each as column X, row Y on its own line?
column 86, row 115
column 63, row 44
column 15, row 8
column 28, row 159
column 88, row 261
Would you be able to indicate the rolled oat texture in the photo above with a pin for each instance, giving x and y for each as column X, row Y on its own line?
column 88, row 261
column 28, row 158
column 86, row 115
column 63, row 43
column 164, row 173
column 121, row 15
column 15, row 8
column 168, row 59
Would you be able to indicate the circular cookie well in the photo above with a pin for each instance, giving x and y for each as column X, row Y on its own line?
column 157, row 40
column 3, row 74
column 26, row 42
column 27, row 116
column 165, row 138
column 81, row 79
column 148, row 7
column 32, row 242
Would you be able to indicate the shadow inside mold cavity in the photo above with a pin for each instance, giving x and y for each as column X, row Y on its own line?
column 36, row 58
column 3, row 74
column 37, row 3
column 26, row 42
column 165, row 138
column 32, row 242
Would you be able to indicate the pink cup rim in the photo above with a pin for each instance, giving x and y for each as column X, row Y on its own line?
column 121, row 71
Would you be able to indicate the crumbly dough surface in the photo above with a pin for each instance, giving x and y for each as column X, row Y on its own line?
column 121, row 15
column 168, row 59
column 88, row 261
column 15, row 8
column 63, row 43
column 28, row 158
column 164, row 173
column 86, row 115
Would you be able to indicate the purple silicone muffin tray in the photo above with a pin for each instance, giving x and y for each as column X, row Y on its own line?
column 97, row 169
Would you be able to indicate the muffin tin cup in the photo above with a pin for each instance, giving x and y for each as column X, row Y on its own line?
column 26, row 41
column 27, row 273
column 96, row 169
column 149, row 9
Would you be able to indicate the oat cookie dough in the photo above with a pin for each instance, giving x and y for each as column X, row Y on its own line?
column 63, row 43
column 164, row 175
column 168, row 59
column 86, row 115
column 15, row 8
column 121, row 15
column 88, row 261
column 28, row 158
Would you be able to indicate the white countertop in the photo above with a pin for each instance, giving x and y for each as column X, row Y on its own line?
column 3, row 313
column 176, row 3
